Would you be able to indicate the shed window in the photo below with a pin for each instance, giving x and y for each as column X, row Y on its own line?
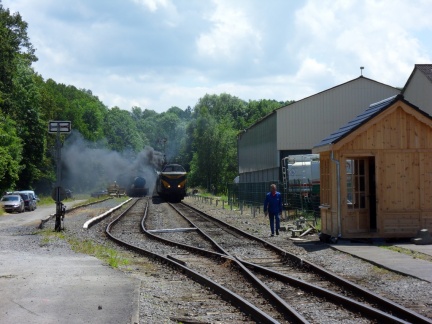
column 325, row 191
column 356, row 183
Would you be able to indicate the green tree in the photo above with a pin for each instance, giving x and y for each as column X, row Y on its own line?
column 257, row 109
column 146, row 125
column 216, row 119
column 10, row 153
column 203, row 167
column 214, row 161
column 121, row 131
column 224, row 106
column 164, row 131
column 187, row 145
column 14, row 43
column 79, row 106
column 30, row 128
column 172, row 128
column 89, row 118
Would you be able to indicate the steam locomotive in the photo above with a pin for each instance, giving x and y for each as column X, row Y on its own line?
column 171, row 182
column 137, row 188
column 133, row 186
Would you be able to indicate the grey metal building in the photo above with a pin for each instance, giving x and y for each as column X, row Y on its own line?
column 418, row 89
column 296, row 128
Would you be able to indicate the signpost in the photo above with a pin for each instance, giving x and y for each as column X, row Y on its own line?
column 59, row 194
column 59, row 126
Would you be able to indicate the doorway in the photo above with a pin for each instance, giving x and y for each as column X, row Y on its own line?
column 361, row 194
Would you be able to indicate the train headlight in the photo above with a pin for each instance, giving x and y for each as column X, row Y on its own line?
column 166, row 184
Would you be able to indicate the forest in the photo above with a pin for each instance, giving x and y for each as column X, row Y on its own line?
column 202, row 138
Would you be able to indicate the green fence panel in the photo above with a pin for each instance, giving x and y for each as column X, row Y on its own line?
column 253, row 194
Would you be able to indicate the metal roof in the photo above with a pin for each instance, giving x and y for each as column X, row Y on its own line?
column 316, row 94
column 426, row 69
column 373, row 110
column 337, row 86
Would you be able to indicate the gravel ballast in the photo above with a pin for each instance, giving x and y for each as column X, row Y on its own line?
column 166, row 296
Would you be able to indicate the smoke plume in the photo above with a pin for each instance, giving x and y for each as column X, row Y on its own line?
column 88, row 167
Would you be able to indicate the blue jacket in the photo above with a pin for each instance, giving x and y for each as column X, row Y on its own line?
column 273, row 204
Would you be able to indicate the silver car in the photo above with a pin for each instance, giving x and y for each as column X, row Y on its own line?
column 12, row 203
column 29, row 201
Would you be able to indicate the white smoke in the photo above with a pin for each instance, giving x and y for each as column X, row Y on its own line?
column 88, row 167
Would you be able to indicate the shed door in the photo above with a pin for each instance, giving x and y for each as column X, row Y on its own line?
column 360, row 199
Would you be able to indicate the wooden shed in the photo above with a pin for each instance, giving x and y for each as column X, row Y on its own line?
column 376, row 173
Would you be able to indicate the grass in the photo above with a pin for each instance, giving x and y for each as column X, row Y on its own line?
column 86, row 199
column 318, row 225
column 414, row 254
column 47, row 200
column 106, row 254
column 380, row 270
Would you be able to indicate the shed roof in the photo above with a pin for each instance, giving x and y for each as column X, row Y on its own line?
column 373, row 110
column 292, row 104
column 426, row 69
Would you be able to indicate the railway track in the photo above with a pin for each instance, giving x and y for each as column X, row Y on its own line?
column 298, row 272
column 125, row 230
column 242, row 265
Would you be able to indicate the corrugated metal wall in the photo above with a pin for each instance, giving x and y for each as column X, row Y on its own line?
column 419, row 92
column 257, row 150
column 305, row 123
column 261, row 175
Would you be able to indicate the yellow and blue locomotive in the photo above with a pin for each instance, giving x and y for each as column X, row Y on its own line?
column 171, row 183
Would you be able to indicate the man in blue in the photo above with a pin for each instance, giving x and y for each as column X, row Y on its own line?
column 272, row 208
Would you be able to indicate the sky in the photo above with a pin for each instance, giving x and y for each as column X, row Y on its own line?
column 157, row 54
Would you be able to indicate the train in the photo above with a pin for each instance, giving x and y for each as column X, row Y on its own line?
column 301, row 173
column 132, row 186
column 171, row 182
column 137, row 188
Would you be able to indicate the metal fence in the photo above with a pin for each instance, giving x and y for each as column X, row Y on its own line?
column 304, row 203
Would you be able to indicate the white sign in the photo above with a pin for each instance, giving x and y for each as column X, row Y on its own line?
column 59, row 126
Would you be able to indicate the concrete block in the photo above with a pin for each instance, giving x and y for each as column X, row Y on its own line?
column 423, row 237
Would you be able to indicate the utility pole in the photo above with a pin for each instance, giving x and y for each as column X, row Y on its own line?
column 59, row 194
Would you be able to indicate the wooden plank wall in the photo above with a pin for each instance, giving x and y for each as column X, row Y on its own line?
column 399, row 181
column 396, row 130
column 400, row 140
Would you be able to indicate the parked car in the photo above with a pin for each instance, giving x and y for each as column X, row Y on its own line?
column 12, row 203
column 29, row 201
column 30, row 192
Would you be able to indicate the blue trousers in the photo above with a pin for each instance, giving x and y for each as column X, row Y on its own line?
column 272, row 218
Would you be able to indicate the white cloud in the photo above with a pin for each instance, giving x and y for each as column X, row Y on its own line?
column 375, row 34
column 169, row 11
column 161, row 53
column 153, row 5
column 232, row 33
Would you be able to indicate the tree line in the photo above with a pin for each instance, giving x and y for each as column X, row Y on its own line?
column 202, row 138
